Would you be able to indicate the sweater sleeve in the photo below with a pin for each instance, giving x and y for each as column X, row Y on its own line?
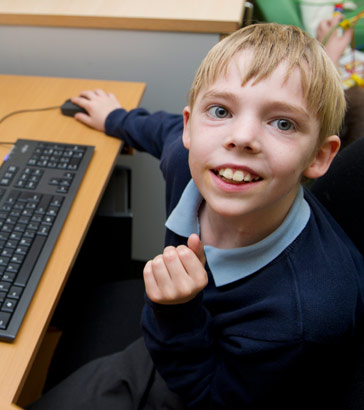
column 144, row 131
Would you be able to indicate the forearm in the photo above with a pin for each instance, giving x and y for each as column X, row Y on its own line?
column 182, row 348
column 142, row 130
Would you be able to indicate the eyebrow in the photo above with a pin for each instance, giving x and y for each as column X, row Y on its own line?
column 273, row 105
column 226, row 95
column 294, row 109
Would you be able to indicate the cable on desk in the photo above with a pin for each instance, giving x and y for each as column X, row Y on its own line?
column 28, row 110
column 23, row 111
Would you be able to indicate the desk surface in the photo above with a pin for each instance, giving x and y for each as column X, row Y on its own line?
column 19, row 92
column 210, row 16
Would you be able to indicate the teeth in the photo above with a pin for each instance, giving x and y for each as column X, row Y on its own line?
column 247, row 177
column 237, row 176
column 228, row 173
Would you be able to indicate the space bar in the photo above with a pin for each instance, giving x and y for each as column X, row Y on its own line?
column 30, row 260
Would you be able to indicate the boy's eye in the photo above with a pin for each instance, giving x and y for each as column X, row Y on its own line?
column 283, row 124
column 218, row 112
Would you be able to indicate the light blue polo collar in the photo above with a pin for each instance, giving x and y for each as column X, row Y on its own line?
column 230, row 265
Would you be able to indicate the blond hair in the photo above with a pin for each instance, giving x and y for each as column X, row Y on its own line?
column 271, row 44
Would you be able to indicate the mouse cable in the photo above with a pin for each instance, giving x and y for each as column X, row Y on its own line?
column 20, row 112
column 28, row 110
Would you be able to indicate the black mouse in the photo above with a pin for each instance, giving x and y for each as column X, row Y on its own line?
column 70, row 109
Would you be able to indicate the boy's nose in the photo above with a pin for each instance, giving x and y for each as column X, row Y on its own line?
column 244, row 136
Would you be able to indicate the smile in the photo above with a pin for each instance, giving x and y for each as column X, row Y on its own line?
column 236, row 176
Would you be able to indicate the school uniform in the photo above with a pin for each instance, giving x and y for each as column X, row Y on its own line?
column 277, row 324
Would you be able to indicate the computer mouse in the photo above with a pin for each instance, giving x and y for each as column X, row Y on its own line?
column 70, row 109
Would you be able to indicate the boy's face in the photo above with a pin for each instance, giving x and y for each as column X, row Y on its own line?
column 263, row 134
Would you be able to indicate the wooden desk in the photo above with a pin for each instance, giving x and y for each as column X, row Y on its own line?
column 8, row 406
column 19, row 92
column 207, row 16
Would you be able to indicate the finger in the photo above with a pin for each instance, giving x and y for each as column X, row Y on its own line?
column 84, row 118
column 193, row 266
column 87, row 94
column 151, row 287
column 174, row 265
column 160, row 271
column 100, row 92
column 195, row 244
column 81, row 101
column 172, row 283
column 326, row 24
column 188, row 276
column 112, row 95
column 337, row 18
column 348, row 34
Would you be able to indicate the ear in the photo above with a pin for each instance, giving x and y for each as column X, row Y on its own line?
column 186, row 137
column 323, row 158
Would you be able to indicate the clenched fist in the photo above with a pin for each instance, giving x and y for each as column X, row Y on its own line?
column 178, row 274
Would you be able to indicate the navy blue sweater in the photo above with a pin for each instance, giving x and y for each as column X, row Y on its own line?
column 285, row 336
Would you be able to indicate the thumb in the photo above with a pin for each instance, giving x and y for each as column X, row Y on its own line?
column 195, row 244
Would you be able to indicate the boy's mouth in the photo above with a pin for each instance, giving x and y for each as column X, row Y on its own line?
column 236, row 176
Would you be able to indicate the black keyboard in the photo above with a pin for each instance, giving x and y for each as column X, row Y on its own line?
column 38, row 183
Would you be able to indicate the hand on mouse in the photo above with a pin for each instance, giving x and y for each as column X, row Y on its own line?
column 98, row 104
column 177, row 275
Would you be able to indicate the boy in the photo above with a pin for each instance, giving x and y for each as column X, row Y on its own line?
column 272, row 317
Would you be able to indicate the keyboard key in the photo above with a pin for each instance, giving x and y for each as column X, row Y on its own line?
column 15, row 292
column 52, row 211
column 4, row 261
column 9, row 305
column 7, row 252
column 21, row 250
column 8, row 277
column 30, row 196
column 29, row 261
column 4, row 286
column 12, row 243
column 57, row 201
column 44, row 230
column 4, row 320
column 25, row 241
column 13, row 267
column 17, row 258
